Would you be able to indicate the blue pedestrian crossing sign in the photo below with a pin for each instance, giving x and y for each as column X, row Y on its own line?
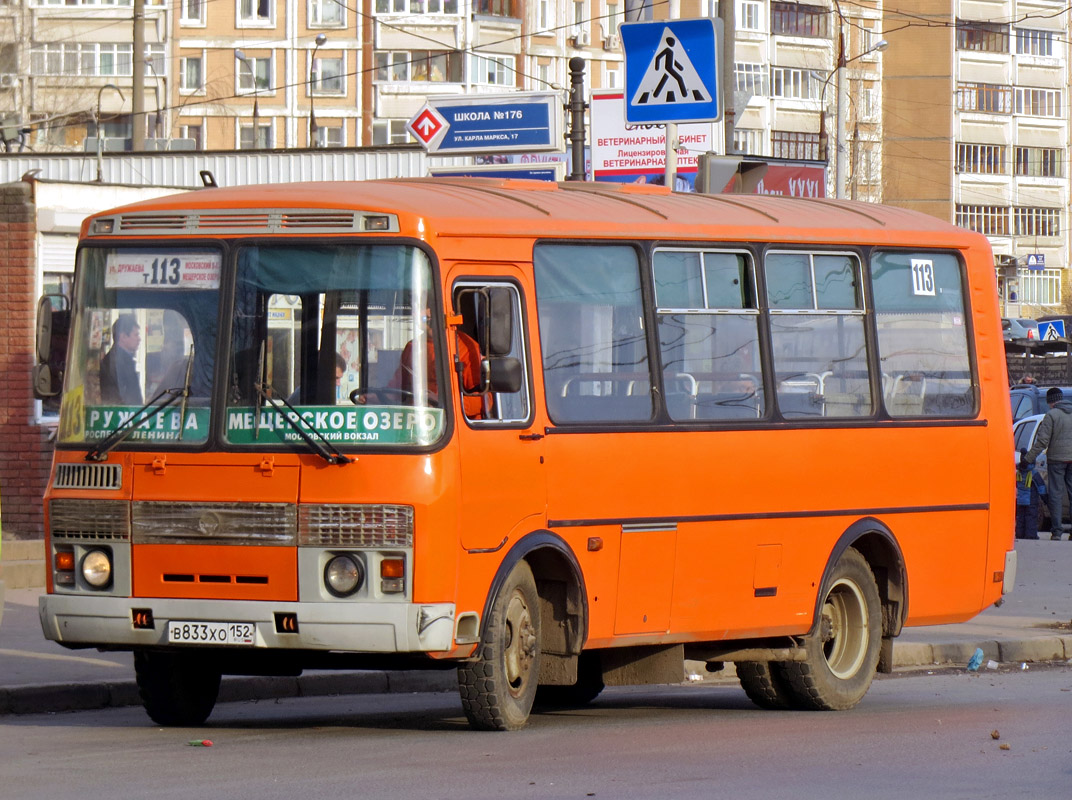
column 672, row 71
column 1052, row 331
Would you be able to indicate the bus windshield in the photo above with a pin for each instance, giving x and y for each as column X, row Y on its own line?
column 145, row 322
column 323, row 344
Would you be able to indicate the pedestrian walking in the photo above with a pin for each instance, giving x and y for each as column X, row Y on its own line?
column 1055, row 437
column 1029, row 488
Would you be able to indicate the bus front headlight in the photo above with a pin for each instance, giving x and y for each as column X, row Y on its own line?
column 97, row 569
column 343, row 575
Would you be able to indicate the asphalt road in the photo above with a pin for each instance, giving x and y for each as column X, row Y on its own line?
column 920, row 734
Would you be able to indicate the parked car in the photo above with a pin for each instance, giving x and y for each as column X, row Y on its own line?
column 1030, row 398
column 1023, row 437
column 1014, row 328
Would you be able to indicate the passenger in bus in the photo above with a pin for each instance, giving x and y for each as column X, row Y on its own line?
column 119, row 380
column 468, row 353
column 340, row 370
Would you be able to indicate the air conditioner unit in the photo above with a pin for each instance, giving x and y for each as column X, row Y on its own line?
column 581, row 38
column 8, row 81
column 612, row 41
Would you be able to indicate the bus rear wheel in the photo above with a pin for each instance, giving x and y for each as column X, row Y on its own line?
column 841, row 657
column 177, row 689
column 766, row 685
column 498, row 687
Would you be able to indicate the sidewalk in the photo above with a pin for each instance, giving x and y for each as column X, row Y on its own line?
column 36, row 675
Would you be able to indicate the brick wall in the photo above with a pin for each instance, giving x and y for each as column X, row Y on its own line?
column 25, row 452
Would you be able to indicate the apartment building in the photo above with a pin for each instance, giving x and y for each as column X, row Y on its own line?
column 976, row 124
column 786, row 82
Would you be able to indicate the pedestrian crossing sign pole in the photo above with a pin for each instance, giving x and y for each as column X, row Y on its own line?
column 671, row 71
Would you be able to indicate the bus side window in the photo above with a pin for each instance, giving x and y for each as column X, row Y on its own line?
column 490, row 353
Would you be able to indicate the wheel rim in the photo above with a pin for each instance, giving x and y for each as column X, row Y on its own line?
column 520, row 649
column 844, row 629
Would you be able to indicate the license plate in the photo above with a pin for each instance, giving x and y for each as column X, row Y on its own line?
column 182, row 632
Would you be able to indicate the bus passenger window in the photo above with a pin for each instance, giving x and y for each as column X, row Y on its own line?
column 922, row 334
column 817, row 335
column 595, row 357
column 708, row 334
column 490, row 346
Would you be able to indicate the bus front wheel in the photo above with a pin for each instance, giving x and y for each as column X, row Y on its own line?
column 177, row 689
column 841, row 656
column 498, row 686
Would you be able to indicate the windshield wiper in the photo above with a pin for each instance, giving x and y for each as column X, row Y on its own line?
column 323, row 448
column 99, row 452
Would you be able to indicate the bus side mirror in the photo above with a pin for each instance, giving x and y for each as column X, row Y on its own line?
column 53, row 323
column 500, row 322
column 504, row 374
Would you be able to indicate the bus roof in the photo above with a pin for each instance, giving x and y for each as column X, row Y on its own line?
column 512, row 207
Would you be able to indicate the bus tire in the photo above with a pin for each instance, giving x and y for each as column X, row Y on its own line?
column 588, row 687
column 499, row 685
column 765, row 684
column 842, row 655
column 177, row 689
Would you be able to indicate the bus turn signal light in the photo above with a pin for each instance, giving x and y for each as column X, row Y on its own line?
column 63, row 572
column 286, row 622
column 142, row 618
column 392, row 575
column 65, row 561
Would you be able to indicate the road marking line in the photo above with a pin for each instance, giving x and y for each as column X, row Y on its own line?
column 99, row 662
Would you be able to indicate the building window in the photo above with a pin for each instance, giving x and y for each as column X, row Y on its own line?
column 1035, row 221
column 797, row 19
column 326, row 76
column 419, row 65
column 986, row 159
column 389, row 131
column 193, row 12
column 751, row 77
column 250, row 67
column 195, row 132
column 494, row 8
column 263, row 136
column 1039, row 162
column 987, row 97
column 615, row 17
column 1034, row 43
column 329, row 135
column 89, row 59
column 416, row 6
column 795, row 144
column 1038, row 102
column 1040, row 287
column 325, row 12
column 255, row 12
column 492, row 70
column 986, row 37
column 190, row 74
column 988, row 220
column 749, row 15
column 748, row 141
column 790, row 83
column 543, row 15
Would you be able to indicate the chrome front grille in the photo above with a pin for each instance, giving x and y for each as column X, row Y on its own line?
column 89, row 520
column 88, row 476
column 214, row 523
column 355, row 525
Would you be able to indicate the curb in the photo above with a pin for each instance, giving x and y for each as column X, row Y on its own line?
column 53, row 698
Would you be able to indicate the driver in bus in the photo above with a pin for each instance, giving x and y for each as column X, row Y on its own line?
column 468, row 353
column 119, row 380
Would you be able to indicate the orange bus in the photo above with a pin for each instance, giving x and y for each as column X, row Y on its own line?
column 555, row 436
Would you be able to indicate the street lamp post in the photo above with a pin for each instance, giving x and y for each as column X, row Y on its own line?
column 313, row 127
column 160, row 103
column 843, row 107
column 100, row 138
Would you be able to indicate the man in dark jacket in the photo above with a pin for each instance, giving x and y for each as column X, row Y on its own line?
column 119, row 381
column 1055, row 437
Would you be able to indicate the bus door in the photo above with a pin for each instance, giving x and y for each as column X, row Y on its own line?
column 501, row 453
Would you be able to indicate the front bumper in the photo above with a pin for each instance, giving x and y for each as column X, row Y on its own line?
column 358, row 627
